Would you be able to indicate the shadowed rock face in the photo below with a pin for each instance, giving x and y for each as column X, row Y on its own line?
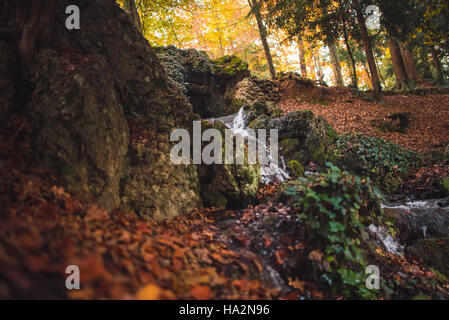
column 208, row 85
column 304, row 137
column 103, row 110
column 103, row 115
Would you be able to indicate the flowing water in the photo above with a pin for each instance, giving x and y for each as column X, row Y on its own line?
column 238, row 123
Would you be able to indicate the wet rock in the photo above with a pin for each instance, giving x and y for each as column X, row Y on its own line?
column 419, row 220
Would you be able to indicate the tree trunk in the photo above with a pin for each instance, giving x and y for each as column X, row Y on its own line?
column 344, row 19
column 131, row 9
column 302, row 59
column 398, row 64
column 437, row 64
column 29, row 22
column 316, row 59
column 336, row 66
column 263, row 36
column 368, row 49
column 351, row 56
column 410, row 63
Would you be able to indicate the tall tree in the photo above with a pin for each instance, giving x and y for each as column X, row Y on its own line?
column 319, row 69
column 302, row 59
column 410, row 63
column 255, row 9
column 437, row 64
column 29, row 23
column 336, row 65
column 366, row 39
column 344, row 21
column 131, row 8
column 398, row 64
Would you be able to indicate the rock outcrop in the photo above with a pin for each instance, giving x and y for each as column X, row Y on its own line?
column 103, row 114
column 229, row 185
column 208, row 85
column 103, row 111
column 304, row 137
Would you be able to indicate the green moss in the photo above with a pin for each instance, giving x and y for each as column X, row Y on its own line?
column 230, row 65
column 290, row 149
column 214, row 199
column 296, row 169
column 445, row 184
column 236, row 104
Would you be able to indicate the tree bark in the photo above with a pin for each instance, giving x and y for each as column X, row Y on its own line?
column 351, row 56
column 336, row 66
column 398, row 64
column 30, row 23
column 368, row 49
column 302, row 60
column 316, row 59
column 410, row 63
column 263, row 36
column 344, row 19
column 437, row 64
column 131, row 8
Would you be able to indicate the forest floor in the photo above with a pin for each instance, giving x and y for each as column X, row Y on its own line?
column 207, row 254
column 350, row 113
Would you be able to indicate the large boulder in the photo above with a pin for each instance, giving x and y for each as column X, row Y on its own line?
column 304, row 137
column 251, row 90
column 81, row 127
column 103, row 115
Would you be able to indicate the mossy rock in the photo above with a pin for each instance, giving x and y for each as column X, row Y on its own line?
column 261, row 122
column 230, row 65
column 445, row 185
column 433, row 252
column 296, row 169
column 305, row 138
column 229, row 185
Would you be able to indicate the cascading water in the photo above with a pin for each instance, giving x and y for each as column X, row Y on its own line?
column 273, row 170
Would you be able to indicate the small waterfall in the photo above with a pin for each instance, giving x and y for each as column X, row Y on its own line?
column 271, row 172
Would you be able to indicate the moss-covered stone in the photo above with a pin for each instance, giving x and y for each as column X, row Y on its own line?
column 305, row 138
column 296, row 169
column 230, row 185
column 396, row 122
column 230, row 65
column 445, row 185
column 108, row 135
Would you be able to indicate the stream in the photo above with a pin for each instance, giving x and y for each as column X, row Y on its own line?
column 238, row 123
column 415, row 219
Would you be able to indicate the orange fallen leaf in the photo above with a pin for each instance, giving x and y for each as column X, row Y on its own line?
column 201, row 292
column 149, row 292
